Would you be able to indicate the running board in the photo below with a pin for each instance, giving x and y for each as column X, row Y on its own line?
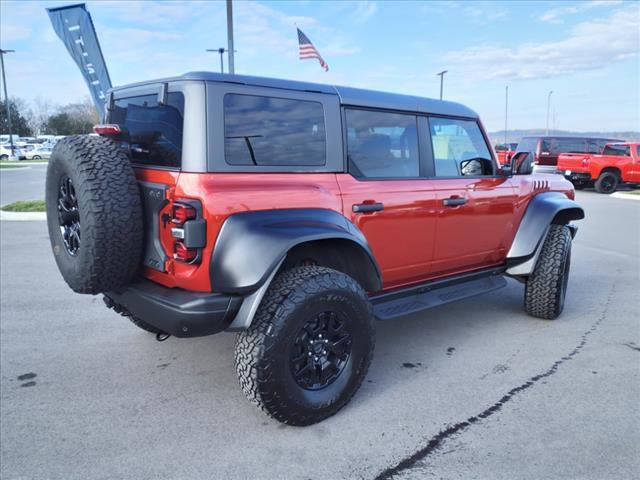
column 417, row 299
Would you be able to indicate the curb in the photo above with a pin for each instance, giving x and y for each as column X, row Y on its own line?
column 626, row 196
column 23, row 216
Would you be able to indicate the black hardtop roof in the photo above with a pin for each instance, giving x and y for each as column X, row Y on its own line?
column 348, row 96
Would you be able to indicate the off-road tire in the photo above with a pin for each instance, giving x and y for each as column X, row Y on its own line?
column 110, row 213
column 607, row 182
column 262, row 352
column 4, row 157
column 546, row 287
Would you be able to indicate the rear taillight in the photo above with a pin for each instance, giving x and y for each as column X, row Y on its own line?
column 184, row 254
column 182, row 212
column 188, row 231
column 107, row 129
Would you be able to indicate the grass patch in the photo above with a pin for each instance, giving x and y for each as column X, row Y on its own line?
column 25, row 206
column 11, row 165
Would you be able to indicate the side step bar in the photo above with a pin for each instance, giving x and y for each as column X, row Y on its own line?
column 423, row 297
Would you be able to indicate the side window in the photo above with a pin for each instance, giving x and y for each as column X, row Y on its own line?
column 638, row 150
column 269, row 131
column 152, row 133
column 459, row 149
column 620, row 150
column 382, row 144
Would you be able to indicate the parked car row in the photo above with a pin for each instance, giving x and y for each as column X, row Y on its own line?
column 27, row 148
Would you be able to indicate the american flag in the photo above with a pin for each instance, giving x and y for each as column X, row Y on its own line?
column 307, row 50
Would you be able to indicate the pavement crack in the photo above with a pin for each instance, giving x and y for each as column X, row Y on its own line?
column 437, row 440
column 632, row 346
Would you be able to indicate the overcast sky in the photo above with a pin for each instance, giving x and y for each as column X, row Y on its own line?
column 586, row 52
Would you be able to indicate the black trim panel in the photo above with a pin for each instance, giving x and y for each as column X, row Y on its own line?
column 154, row 198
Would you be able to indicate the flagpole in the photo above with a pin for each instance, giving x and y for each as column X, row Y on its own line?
column 230, row 49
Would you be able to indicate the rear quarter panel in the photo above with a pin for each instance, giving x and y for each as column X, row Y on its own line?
column 224, row 194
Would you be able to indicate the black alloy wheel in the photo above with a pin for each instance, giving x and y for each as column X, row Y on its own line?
column 69, row 216
column 321, row 350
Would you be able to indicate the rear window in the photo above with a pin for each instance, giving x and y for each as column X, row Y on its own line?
column 621, row 150
column 556, row 146
column 269, row 131
column 152, row 133
column 382, row 144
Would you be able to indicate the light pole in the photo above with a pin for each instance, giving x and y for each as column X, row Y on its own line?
column 6, row 98
column 441, row 74
column 548, row 107
column 230, row 49
column 506, row 111
column 221, row 51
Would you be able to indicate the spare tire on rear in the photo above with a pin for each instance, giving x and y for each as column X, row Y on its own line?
column 94, row 213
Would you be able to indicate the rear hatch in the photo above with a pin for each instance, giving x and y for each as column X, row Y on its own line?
column 151, row 130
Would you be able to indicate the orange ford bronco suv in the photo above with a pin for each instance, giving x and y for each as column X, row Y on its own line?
column 296, row 214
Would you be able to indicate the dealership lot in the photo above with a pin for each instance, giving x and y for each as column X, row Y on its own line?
column 85, row 394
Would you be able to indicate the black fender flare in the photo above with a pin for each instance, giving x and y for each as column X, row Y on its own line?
column 252, row 245
column 543, row 210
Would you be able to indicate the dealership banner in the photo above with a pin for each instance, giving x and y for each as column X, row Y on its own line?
column 74, row 27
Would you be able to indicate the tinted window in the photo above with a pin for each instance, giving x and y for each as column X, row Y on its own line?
column 269, row 131
column 621, row 150
column 455, row 142
column 638, row 150
column 382, row 145
column 152, row 133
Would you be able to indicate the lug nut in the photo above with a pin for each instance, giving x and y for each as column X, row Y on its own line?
column 324, row 352
column 315, row 358
column 310, row 353
column 320, row 336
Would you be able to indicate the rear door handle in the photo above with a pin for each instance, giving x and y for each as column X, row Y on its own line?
column 367, row 207
column 454, row 201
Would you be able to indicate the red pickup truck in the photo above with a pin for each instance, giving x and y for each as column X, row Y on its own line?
column 618, row 163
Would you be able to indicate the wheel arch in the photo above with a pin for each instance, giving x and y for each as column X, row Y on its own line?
column 544, row 210
column 253, row 246
column 614, row 170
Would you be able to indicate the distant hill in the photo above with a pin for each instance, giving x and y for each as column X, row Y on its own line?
column 516, row 135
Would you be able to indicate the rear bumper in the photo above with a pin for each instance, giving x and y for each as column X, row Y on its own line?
column 178, row 312
column 576, row 177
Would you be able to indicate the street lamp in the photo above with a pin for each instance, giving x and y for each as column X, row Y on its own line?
column 548, row 107
column 6, row 98
column 441, row 74
column 506, row 111
column 221, row 51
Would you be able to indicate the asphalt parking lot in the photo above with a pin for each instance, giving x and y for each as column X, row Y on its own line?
column 472, row 390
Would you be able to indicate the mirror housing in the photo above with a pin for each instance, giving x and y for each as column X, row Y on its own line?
column 522, row 163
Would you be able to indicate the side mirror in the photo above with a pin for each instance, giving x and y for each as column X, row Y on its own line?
column 522, row 163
